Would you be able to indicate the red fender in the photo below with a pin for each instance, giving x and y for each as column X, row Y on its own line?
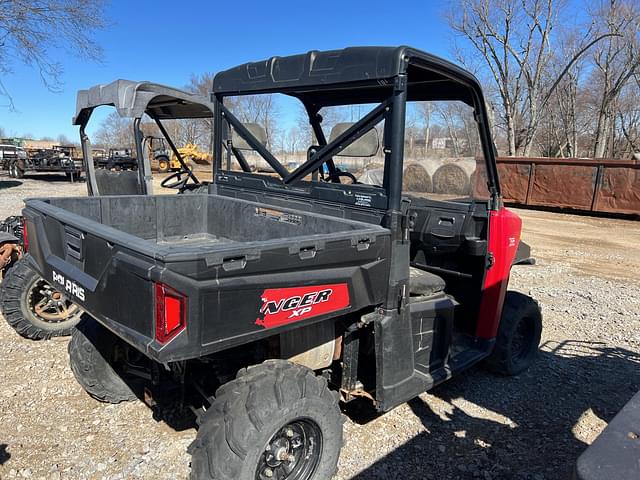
column 504, row 235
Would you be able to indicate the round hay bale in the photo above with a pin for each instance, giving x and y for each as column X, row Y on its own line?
column 454, row 178
column 373, row 176
column 416, row 179
column 373, row 166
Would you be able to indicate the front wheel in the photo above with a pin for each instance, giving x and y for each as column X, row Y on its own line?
column 277, row 420
column 518, row 336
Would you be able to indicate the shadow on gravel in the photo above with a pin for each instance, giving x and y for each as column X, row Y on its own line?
column 538, row 439
column 9, row 184
column 4, row 455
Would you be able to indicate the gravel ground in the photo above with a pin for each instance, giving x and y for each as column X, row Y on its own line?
column 476, row 426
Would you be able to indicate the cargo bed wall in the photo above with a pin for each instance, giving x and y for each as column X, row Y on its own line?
column 172, row 219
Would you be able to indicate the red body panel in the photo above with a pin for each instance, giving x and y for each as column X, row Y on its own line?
column 281, row 306
column 504, row 236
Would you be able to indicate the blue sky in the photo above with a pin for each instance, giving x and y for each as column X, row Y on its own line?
column 167, row 41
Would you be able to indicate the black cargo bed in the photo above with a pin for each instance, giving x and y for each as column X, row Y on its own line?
column 226, row 255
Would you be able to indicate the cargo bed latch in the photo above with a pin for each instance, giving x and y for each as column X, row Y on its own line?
column 234, row 263
column 362, row 244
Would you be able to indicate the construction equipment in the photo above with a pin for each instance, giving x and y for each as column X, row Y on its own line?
column 192, row 155
column 264, row 302
column 156, row 149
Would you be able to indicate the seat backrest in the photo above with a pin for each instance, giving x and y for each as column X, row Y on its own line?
column 117, row 183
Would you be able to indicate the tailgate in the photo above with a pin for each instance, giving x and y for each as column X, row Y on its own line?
column 111, row 282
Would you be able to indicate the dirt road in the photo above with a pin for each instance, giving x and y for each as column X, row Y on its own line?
column 477, row 426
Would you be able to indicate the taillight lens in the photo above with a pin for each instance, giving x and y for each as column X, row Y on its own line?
column 25, row 237
column 171, row 312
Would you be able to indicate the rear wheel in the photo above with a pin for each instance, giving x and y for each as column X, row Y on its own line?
column 518, row 335
column 99, row 362
column 276, row 420
column 33, row 307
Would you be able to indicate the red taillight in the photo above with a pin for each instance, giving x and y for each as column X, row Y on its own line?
column 171, row 312
column 25, row 237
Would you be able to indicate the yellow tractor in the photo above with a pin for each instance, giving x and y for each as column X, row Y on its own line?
column 190, row 153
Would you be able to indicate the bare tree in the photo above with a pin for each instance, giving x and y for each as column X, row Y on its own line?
column 62, row 139
column 2, row 133
column 426, row 110
column 32, row 31
column 514, row 37
column 115, row 131
column 293, row 140
column 261, row 109
column 565, row 119
column 628, row 119
column 202, row 84
column 617, row 61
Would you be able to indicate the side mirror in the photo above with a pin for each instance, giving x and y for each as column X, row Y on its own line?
column 366, row 146
column 256, row 130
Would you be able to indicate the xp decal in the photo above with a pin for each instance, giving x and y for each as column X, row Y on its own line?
column 281, row 306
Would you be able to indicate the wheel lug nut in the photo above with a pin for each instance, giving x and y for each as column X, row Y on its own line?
column 268, row 472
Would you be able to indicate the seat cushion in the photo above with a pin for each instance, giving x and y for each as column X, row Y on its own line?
column 423, row 283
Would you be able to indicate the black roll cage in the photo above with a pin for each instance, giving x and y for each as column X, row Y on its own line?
column 345, row 84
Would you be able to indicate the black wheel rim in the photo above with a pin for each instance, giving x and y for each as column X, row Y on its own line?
column 49, row 305
column 521, row 343
column 292, row 453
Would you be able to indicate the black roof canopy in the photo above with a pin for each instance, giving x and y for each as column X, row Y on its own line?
column 351, row 75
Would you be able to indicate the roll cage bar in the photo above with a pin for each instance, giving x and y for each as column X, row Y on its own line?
column 386, row 76
column 132, row 100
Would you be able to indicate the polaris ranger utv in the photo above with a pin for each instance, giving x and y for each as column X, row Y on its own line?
column 265, row 301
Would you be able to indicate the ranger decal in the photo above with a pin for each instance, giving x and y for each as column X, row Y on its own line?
column 281, row 306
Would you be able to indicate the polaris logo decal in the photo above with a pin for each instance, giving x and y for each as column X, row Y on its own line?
column 71, row 287
column 281, row 306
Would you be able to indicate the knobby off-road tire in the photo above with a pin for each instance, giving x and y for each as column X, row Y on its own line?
column 518, row 336
column 93, row 354
column 273, row 410
column 33, row 307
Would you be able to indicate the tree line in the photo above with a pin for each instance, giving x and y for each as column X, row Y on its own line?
column 561, row 78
